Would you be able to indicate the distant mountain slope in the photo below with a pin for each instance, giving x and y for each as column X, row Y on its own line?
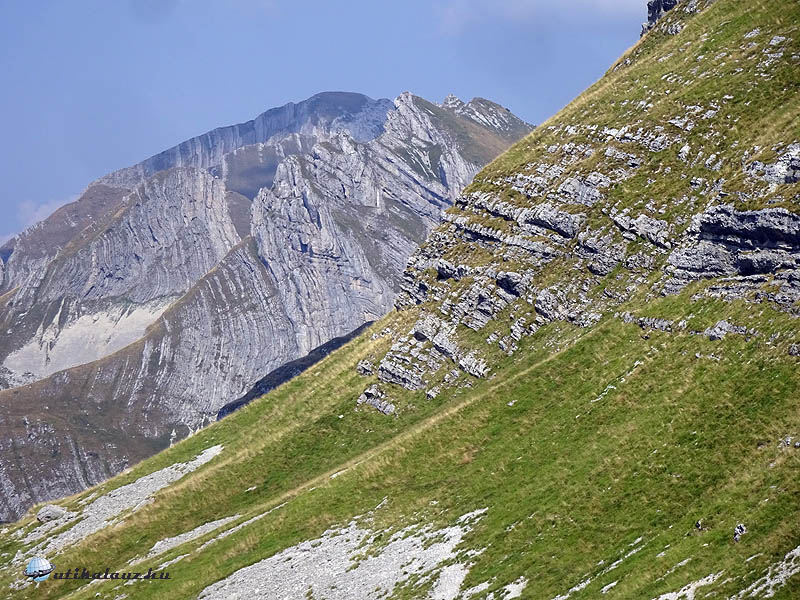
column 315, row 118
column 589, row 389
column 168, row 289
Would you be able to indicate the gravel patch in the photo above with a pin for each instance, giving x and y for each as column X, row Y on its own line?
column 42, row 530
column 515, row 589
column 171, row 542
column 103, row 511
column 451, row 578
column 474, row 591
column 347, row 563
column 776, row 577
column 606, row 588
column 164, row 565
column 690, row 591
column 233, row 530
column 636, row 546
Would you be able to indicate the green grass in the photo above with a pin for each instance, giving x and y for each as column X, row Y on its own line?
column 679, row 440
column 613, row 433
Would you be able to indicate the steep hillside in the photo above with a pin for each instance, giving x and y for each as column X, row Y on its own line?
column 589, row 389
column 169, row 289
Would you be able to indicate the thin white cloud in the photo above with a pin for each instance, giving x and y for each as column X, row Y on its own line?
column 29, row 213
column 156, row 11
column 456, row 16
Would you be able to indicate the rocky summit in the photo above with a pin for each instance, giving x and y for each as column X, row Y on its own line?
column 130, row 317
column 587, row 388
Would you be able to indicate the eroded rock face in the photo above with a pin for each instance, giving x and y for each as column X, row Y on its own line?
column 726, row 241
column 573, row 228
column 315, row 118
column 102, row 295
column 171, row 287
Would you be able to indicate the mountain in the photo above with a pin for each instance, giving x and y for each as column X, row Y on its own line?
column 589, row 387
column 132, row 316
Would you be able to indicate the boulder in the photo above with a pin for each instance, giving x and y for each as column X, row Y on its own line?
column 365, row 368
column 376, row 398
column 50, row 512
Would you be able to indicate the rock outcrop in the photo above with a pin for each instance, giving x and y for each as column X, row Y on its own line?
column 594, row 216
column 656, row 10
column 170, row 288
column 593, row 366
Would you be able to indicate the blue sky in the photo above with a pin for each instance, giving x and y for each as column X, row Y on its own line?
column 90, row 86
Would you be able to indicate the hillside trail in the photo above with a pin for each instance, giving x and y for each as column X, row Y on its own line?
column 398, row 441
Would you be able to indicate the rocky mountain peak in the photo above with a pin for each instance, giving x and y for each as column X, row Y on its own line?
column 593, row 365
column 171, row 287
column 314, row 118
column 487, row 114
column 452, row 102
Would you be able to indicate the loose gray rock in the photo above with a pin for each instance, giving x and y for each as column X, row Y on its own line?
column 648, row 322
column 374, row 397
column 474, row 365
column 512, row 282
column 549, row 305
column 50, row 512
column 548, row 216
column 785, row 170
column 721, row 329
column 102, row 512
column 655, row 231
column 584, row 191
column 352, row 561
column 365, row 367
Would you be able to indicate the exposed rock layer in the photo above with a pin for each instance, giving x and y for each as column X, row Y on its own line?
column 583, row 217
column 132, row 316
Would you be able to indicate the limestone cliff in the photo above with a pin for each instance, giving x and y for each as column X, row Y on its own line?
column 171, row 287
column 589, row 389
column 670, row 185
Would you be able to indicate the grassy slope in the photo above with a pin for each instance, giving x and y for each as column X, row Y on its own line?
column 708, row 61
column 679, row 438
column 678, row 441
